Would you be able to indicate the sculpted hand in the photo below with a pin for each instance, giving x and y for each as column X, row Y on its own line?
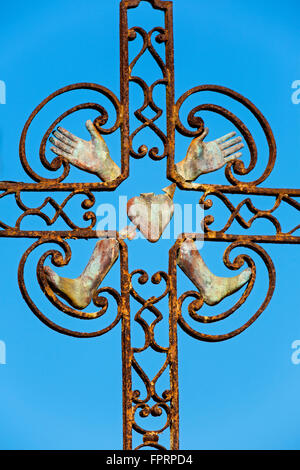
column 91, row 156
column 205, row 157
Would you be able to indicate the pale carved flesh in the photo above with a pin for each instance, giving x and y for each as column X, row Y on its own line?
column 128, row 232
column 152, row 213
column 212, row 288
column 206, row 157
column 79, row 292
column 91, row 156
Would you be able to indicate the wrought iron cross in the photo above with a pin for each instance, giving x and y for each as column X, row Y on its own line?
column 167, row 402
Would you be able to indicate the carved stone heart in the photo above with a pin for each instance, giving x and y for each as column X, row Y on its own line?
column 152, row 213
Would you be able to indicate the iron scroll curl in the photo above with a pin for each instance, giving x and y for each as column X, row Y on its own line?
column 60, row 259
column 99, row 122
column 196, row 122
column 197, row 303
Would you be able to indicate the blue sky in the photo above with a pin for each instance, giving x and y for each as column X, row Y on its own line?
column 58, row 392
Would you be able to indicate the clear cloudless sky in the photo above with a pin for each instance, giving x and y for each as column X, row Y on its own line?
column 58, row 392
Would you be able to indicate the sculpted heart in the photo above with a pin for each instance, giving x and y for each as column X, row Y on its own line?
column 152, row 213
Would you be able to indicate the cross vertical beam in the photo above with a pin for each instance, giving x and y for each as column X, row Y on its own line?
column 165, row 36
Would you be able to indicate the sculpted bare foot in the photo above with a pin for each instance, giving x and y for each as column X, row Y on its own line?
column 91, row 156
column 79, row 292
column 212, row 288
column 205, row 157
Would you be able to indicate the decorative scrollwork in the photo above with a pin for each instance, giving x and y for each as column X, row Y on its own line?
column 149, row 305
column 155, row 411
column 257, row 213
column 197, row 123
column 87, row 203
column 59, row 162
column 237, row 263
column 148, row 92
column 59, row 208
column 59, row 260
column 142, row 404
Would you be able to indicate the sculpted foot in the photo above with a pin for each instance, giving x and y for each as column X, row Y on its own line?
column 205, row 157
column 212, row 288
column 79, row 292
column 91, row 156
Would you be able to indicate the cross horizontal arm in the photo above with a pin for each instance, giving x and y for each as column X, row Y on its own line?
column 282, row 197
column 14, row 186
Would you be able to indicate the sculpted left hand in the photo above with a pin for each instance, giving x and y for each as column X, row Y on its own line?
column 205, row 157
column 91, row 156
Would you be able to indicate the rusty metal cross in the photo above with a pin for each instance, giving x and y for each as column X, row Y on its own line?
column 154, row 404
